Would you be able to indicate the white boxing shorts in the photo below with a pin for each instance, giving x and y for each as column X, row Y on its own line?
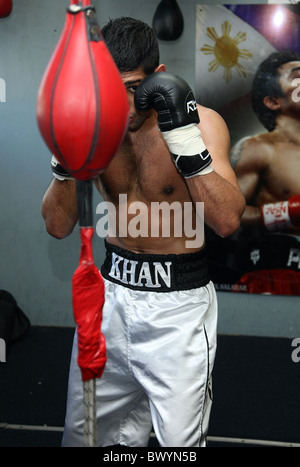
column 160, row 326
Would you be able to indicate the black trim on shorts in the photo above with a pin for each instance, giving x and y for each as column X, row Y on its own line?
column 152, row 272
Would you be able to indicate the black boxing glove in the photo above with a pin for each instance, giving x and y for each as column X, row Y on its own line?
column 177, row 117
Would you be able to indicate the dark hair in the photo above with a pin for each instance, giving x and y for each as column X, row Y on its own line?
column 132, row 44
column 266, row 83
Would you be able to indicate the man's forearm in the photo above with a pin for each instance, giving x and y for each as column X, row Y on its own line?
column 59, row 208
column 224, row 203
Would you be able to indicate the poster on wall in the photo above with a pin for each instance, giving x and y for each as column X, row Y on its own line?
column 247, row 60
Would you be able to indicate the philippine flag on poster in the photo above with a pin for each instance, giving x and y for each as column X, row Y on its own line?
column 228, row 52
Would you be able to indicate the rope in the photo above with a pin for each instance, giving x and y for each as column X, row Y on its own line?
column 90, row 429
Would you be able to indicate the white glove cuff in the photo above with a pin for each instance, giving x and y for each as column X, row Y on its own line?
column 188, row 150
column 58, row 171
column 276, row 216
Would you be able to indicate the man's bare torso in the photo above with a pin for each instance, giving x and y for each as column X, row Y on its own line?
column 280, row 178
column 268, row 169
column 143, row 171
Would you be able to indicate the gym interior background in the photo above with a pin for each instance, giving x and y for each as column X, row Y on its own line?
column 37, row 269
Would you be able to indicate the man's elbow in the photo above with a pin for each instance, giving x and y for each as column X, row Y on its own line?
column 230, row 223
column 56, row 229
column 228, row 227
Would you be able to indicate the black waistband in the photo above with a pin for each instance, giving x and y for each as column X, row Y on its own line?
column 159, row 273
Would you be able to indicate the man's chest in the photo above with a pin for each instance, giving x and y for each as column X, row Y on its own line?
column 282, row 175
column 143, row 171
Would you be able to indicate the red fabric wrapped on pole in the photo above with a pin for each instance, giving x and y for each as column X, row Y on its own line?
column 6, row 7
column 88, row 300
column 82, row 106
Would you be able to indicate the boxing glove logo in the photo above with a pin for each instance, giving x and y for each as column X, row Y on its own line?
column 191, row 106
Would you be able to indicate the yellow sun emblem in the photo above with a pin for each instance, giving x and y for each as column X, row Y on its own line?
column 226, row 51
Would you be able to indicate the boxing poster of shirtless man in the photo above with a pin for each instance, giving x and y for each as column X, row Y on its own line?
column 264, row 255
column 267, row 166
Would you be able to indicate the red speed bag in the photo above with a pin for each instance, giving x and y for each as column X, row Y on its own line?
column 5, row 8
column 82, row 104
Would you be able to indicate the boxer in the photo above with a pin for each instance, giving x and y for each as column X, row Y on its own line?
column 267, row 167
column 160, row 311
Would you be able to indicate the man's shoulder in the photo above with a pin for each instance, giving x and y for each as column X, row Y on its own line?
column 251, row 147
column 206, row 112
column 212, row 123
